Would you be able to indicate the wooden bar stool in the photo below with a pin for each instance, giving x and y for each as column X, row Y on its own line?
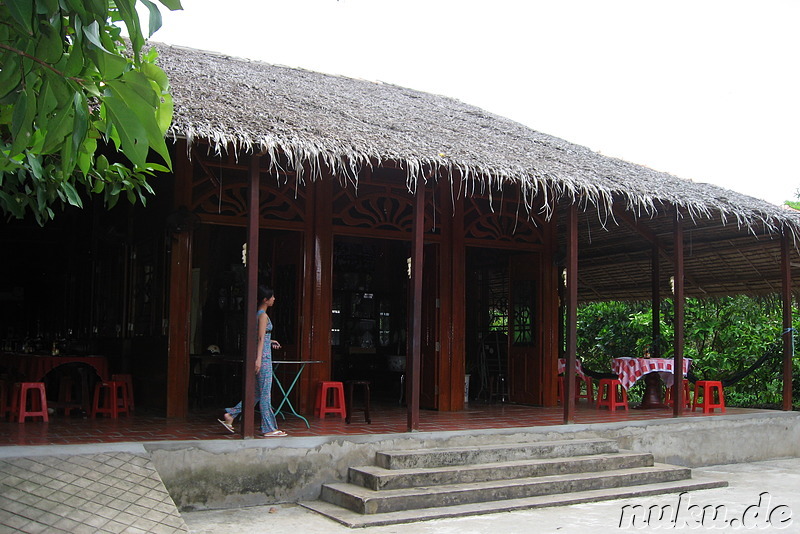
column 611, row 394
column 66, row 402
column 5, row 402
column 333, row 391
column 687, row 395
column 364, row 384
column 38, row 401
column 704, row 391
column 128, row 380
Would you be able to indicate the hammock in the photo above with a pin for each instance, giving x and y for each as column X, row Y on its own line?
column 774, row 352
column 597, row 375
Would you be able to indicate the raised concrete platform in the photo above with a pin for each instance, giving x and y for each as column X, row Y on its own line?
column 203, row 475
column 228, row 474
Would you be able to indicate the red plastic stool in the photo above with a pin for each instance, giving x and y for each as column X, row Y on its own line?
column 128, row 379
column 704, row 396
column 560, row 389
column 587, row 392
column 611, row 394
column 336, row 407
column 687, row 395
column 110, row 398
column 19, row 406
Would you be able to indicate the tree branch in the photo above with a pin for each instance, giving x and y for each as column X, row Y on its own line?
column 40, row 62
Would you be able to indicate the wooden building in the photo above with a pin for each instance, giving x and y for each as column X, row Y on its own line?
column 395, row 226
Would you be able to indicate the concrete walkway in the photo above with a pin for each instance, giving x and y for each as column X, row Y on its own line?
column 112, row 491
column 757, row 493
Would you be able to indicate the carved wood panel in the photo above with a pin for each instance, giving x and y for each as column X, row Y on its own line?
column 501, row 219
column 219, row 188
column 382, row 207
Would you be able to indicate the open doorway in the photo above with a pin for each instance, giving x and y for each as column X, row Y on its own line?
column 368, row 316
column 504, row 334
column 218, row 314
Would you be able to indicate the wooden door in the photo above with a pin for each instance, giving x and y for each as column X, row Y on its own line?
column 524, row 336
column 285, row 257
column 429, row 365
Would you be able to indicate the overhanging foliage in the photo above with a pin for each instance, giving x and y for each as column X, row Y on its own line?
column 69, row 83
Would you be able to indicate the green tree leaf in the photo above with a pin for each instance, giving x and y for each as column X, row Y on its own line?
column 68, row 80
column 22, row 13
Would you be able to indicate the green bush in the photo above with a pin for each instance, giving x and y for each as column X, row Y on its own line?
column 723, row 337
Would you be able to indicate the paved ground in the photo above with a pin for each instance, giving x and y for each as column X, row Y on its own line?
column 109, row 492
column 757, row 492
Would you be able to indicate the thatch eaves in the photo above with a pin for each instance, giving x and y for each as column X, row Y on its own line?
column 343, row 123
column 322, row 124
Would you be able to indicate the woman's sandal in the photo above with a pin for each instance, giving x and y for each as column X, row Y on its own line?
column 274, row 434
column 227, row 425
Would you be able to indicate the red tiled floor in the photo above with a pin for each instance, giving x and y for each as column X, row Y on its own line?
column 386, row 419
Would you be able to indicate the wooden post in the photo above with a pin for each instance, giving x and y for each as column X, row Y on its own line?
column 319, row 286
column 677, row 386
column 415, row 332
column 180, row 296
column 452, row 276
column 251, row 301
column 788, row 331
column 655, row 346
column 458, row 317
column 572, row 313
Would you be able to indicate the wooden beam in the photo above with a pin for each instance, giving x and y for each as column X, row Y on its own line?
column 415, row 332
column 788, row 331
column 572, row 313
column 251, row 301
column 636, row 226
column 677, row 391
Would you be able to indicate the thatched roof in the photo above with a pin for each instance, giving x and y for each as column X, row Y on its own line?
column 336, row 124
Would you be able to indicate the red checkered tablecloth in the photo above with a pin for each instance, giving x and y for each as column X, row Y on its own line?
column 630, row 370
column 562, row 365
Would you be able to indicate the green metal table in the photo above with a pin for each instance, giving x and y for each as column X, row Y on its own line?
column 285, row 401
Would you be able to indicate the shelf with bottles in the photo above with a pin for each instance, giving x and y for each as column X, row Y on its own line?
column 362, row 321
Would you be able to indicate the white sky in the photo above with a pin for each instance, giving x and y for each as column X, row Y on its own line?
column 703, row 89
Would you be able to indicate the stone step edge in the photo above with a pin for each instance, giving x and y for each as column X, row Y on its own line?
column 385, row 458
column 355, row 520
column 493, row 446
column 360, row 492
column 381, row 472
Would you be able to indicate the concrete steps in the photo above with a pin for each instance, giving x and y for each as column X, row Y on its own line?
column 413, row 485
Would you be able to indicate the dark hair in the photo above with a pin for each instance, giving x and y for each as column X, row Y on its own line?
column 265, row 293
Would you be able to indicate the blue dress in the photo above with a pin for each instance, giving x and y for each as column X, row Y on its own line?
column 263, row 385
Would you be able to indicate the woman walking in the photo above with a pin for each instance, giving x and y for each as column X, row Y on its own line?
column 269, row 427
